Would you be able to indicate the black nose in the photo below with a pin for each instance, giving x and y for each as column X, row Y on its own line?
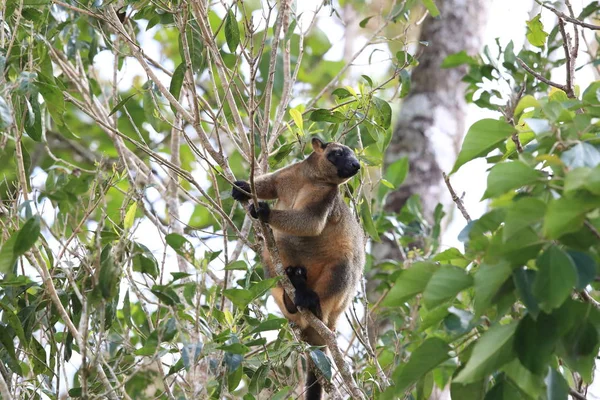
column 356, row 165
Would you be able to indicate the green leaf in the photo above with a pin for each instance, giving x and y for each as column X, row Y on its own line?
column 405, row 58
column 14, row 322
column 238, row 265
column 33, row 119
column 585, row 266
column 325, row 115
column 472, row 391
column 535, row 32
column 195, row 46
column 130, row 217
column 109, row 275
column 483, row 136
column 535, row 341
column 6, row 118
column 426, row 357
column 235, row 348
column 143, row 261
column 566, row 214
column 592, row 184
column 529, row 383
column 38, row 356
column 297, row 117
column 166, row 294
column 507, row 176
column 342, row 93
column 27, row 236
column 396, row 172
column 432, row 8
column 491, row 351
column 411, row 282
column 177, row 82
column 555, row 278
column 181, row 245
column 445, row 284
column 457, row 59
column 242, row 297
column 557, row 387
column 405, row 80
column 269, row 325
column 365, row 21
column 581, row 155
column 283, row 394
column 367, row 220
column 121, row 104
column 259, row 288
column 232, row 31
column 526, row 101
column 522, row 214
column 53, row 98
column 523, row 279
column 7, row 254
column 322, row 363
column 381, row 112
column 488, row 280
column 452, row 256
column 577, row 178
column 234, row 378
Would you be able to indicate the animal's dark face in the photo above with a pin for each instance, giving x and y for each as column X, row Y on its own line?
column 337, row 163
column 343, row 159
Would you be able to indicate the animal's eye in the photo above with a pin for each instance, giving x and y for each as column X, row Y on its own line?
column 338, row 153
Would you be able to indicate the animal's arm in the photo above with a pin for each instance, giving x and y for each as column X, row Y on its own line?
column 265, row 185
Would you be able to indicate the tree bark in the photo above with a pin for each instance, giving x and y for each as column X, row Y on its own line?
column 432, row 118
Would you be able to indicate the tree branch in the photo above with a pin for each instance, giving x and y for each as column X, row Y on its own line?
column 456, row 199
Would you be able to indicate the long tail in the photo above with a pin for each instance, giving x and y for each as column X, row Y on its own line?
column 313, row 387
column 314, row 391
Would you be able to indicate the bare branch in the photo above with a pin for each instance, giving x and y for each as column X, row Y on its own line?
column 456, row 199
column 567, row 18
column 539, row 77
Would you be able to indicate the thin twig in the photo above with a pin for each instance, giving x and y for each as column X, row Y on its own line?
column 567, row 18
column 539, row 77
column 456, row 199
column 576, row 394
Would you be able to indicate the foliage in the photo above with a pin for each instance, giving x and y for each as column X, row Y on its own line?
column 515, row 314
column 129, row 272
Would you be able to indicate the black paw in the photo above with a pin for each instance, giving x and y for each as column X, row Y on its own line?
column 237, row 194
column 308, row 300
column 262, row 213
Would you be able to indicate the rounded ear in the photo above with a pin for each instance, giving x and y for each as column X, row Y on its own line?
column 317, row 145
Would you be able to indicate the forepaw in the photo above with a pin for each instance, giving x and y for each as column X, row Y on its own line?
column 238, row 194
column 262, row 213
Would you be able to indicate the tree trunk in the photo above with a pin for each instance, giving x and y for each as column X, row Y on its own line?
column 432, row 118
